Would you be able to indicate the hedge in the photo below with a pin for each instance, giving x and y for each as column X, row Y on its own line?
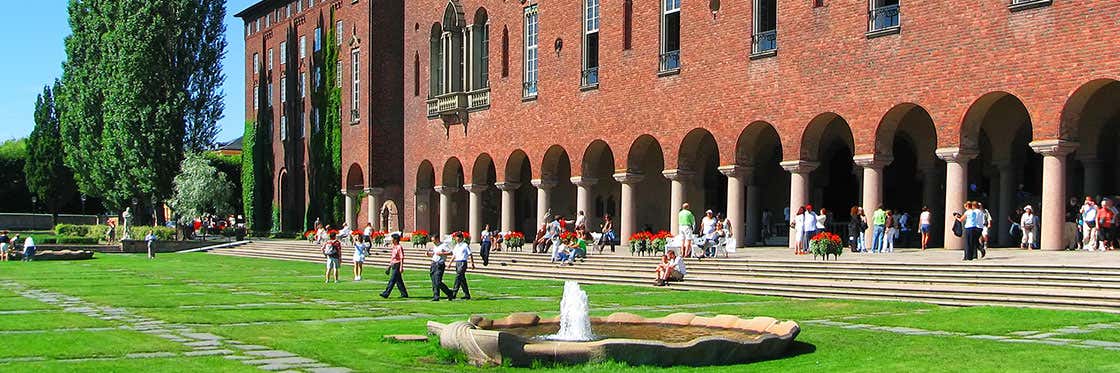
column 97, row 232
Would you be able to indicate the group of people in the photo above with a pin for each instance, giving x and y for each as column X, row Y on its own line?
column 1097, row 225
column 10, row 245
column 567, row 240
column 715, row 232
column 805, row 224
column 887, row 225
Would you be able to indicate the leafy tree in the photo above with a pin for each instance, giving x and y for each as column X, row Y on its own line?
column 325, row 145
column 140, row 86
column 200, row 189
column 256, row 158
column 230, row 165
column 47, row 177
column 13, row 184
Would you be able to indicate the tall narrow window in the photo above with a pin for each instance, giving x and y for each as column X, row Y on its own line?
column 529, row 79
column 764, row 41
column 256, row 97
column 270, row 94
column 435, row 62
column 299, row 6
column 670, row 35
column 480, row 51
column 269, row 59
column 283, row 52
column 627, row 23
column 302, row 84
column 283, row 89
column 355, row 93
column 318, row 39
column 302, row 46
column 505, row 52
column 416, row 74
column 883, row 15
column 338, row 73
column 338, row 32
column 256, row 63
column 283, row 123
column 590, row 75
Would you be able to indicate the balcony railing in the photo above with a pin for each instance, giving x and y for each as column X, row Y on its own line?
column 479, row 99
column 354, row 116
column 529, row 89
column 670, row 61
column 883, row 18
column 764, row 42
column 433, row 107
column 452, row 102
column 589, row 77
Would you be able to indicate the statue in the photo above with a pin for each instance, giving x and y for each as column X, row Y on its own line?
column 127, row 217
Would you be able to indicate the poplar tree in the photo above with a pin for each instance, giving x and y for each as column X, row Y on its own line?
column 47, row 176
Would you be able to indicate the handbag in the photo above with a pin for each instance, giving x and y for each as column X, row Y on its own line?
column 958, row 228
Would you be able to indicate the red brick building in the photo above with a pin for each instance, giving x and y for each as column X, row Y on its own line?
column 515, row 108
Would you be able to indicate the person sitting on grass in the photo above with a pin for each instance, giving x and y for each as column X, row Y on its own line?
column 674, row 270
column 332, row 249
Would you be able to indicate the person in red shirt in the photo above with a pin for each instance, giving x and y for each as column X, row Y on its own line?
column 396, row 266
column 1105, row 227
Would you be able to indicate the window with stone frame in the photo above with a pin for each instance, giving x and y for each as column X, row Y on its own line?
column 590, row 74
column 670, row 35
column 764, row 39
column 532, row 32
column 883, row 15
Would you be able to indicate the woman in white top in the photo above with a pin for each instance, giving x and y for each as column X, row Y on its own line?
column 797, row 230
column 822, row 219
column 924, row 226
column 1026, row 224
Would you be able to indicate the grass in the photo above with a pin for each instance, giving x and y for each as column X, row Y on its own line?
column 285, row 305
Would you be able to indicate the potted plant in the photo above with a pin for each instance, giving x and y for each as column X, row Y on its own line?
column 378, row 238
column 659, row 240
column 514, row 240
column 640, row 242
column 419, row 238
column 825, row 244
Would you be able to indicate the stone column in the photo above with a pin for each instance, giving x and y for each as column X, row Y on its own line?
column 956, row 189
column 1092, row 167
column 445, row 195
column 627, row 221
column 475, row 213
column 736, row 178
column 872, row 165
column 423, row 209
column 679, row 179
column 583, row 196
column 508, row 189
column 1000, row 225
column 544, row 197
column 798, row 182
column 373, row 200
column 351, row 213
column 1053, row 190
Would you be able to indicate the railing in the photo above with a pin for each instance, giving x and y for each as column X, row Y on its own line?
column 452, row 101
column 883, row 17
column 529, row 89
column 433, row 107
column 354, row 116
column 670, row 61
column 589, row 77
column 479, row 98
column 764, row 42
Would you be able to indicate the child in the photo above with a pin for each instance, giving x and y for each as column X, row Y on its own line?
column 361, row 249
column 332, row 249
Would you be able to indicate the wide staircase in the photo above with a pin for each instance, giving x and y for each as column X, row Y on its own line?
column 1064, row 286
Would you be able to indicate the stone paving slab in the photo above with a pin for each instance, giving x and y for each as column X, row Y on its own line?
column 208, row 352
column 202, row 336
column 270, row 353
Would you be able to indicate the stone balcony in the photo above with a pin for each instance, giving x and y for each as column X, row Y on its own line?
column 452, row 107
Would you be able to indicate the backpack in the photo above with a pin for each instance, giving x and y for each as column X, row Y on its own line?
column 958, row 228
column 328, row 248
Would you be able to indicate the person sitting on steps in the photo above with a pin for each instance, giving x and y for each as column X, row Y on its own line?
column 673, row 271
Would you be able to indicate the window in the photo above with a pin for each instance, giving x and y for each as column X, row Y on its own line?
column 256, row 97
column 505, row 52
column 283, row 52
column 627, row 23
column 354, row 91
column 302, row 46
column 318, row 39
column 338, row 32
column 318, row 77
column 435, row 62
column 529, row 79
column 338, row 73
column 670, row 35
column 480, row 51
column 302, row 84
column 283, row 124
column 302, row 128
column 256, row 63
column 416, row 74
column 269, row 94
column 283, row 90
column 299, row 6
column 883, row 15
column 818, row 3
column 288, row 11
column 590, row 75
column 764, row 41
column 267, row 20
column 270, row 59
column 314, row 120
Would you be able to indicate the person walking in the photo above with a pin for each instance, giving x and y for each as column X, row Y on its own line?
column 1026, row 224
column 461, row 254
column 707, row 232
column 608, row 237
column 332, row 250
column 972, row 220
column 879, row 220
column 1105, row 216
column 361, row 250
column 29, row 249
column 5, row 244
column 925, row 220
column 439, row 254
column 150, row 239
column 1089, row 224
column 891, row 233
column 487, row 242
column 855, row 225
column 685, row 222
column 986, row 225
column 110, row 231
column 396, row 269
column 810, row 226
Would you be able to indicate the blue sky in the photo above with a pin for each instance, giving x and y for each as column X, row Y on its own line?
column 35, row 31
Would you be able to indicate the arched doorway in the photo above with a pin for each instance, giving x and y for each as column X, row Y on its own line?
column 759, row 150
column 355, row 183
column 651, row 195
column 389, row 216
column 556, row 173
column 1092, row 118
column 834, row 185
column 483, row 177
column 427, row 201
column 281, row 220
column 1007, row 174
column 519, row 173
column 605, row 193
column 457, row 209
column 706, row 187
column 911, row 181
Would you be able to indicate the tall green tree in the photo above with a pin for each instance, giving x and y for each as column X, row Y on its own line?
column 48, row 178
column 140, row 87
column 200, row 189
column 325, row 144
column 13, row 184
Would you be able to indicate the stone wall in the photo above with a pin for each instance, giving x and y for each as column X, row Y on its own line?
column 43, row 221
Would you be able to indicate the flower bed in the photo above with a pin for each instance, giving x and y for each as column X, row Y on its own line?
column 419, row 238
column 825, row 244
column 514, row 240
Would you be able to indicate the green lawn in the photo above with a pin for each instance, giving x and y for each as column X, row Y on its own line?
column 285, row 305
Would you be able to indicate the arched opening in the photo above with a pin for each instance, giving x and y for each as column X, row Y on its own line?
column 556, row 171
column 452, row 180
column 759, row 148
column 911, row 180
column 705, row 187
column 451, row 41
column 283, row 201
column 505, row 52
column 834, row 185
column 480, row 50
column 651, row 194
column 427, row 201
column 483, row 175
column 355, row 183
column 605, row 192
column 1007, row 174
column 1092, row 117
column 520, row 172
column 389, row 216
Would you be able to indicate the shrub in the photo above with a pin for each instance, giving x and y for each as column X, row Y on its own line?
column 71, row 230
column 162, row 233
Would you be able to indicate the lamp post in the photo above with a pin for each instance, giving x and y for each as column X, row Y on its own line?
column 34, row 204
column 83, row 198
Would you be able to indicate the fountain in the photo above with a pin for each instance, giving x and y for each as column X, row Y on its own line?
column 677, row 339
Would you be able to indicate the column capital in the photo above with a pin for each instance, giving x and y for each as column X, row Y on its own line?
column 956, row 154
column 584, row 182
column 737, row 171
column 799, row 166
column 677, row 174
column 507, row 186
column 875, row 161
column 374, row 191
column 446, row 190
column 1055, row 147
column 545, row 184
column 350, row 192
column 628, row 178
column 476, row 188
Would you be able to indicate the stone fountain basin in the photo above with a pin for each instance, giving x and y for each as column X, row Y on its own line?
column 484, row 342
